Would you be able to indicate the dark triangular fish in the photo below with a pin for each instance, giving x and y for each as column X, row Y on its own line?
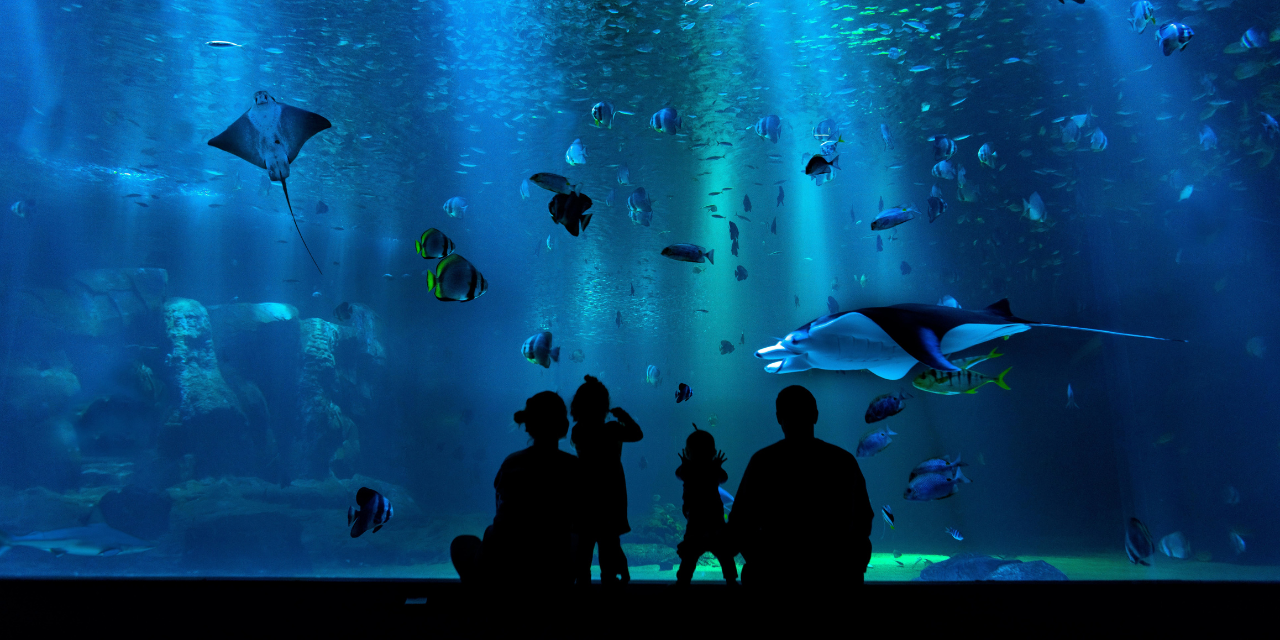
column 773, row 227
column 321, row 207
column 1138, row 544
column 833, row 307
column 881, row 204
column 618, row 319
column 270, row 135
column 733, row 231
column 746, row 204
column 568, row 210
column 879, row 243
column 781, row 196
column 374, row 511
column 734, row 248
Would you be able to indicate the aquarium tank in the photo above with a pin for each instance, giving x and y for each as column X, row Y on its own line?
column 1023, row 249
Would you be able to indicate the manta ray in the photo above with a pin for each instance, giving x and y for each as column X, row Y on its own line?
column 270, row 134
column 888, row 341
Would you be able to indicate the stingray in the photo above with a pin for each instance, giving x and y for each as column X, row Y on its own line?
column 888, row 341
column 270, row 134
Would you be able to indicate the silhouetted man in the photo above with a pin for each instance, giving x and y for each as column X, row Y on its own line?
column 802, row 518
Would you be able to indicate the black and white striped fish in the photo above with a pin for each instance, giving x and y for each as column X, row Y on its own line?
column 374, row 511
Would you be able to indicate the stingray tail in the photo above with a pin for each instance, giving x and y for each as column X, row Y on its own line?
column 1114, row 333
column 295, row 225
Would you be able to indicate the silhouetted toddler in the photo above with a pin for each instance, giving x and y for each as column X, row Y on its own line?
column 599, row 445
column 700, row 469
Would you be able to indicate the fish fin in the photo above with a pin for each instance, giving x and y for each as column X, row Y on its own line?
column 298, row 125
column 835, row 162
column 58, row 553
column 923, row 345
column 375, row 529
column 240, row 140
column 431, row 280
column 585, row 220
column 295, row 225
column 1001, row 383
column 555, row 354
column 364, row 495
column 1000, row 308
column 351, row 515
column 711, row 256
column 107, row 553
column 893, row 371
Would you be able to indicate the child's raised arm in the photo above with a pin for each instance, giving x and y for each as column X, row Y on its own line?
column 628, row 430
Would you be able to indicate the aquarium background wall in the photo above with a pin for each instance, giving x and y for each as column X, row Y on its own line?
column 172, row 364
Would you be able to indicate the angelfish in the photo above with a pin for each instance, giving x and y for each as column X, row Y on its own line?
column 270, row 135
column 1137, row 542
column 374, row 511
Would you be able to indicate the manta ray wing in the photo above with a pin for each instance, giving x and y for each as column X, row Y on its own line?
column 297, row 126
column 241, row 140
column 927, row 332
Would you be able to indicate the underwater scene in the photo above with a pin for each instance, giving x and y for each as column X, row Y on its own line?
column 1023, row 254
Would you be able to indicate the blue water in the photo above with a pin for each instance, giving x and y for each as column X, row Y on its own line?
column 171, row 362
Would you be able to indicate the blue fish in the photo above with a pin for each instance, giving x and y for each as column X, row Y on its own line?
column 374, row 511
column 884, row 406
column 689, row 253
column 455, row 207
column 874, row 442
column 887, row 514
column 1174, row 36
column 891, row 218
column 641, row 207
column 537, row 349
column 943, row 147
column 937, row 465
column 769, row 128
column 666, row 120
column 954, row 533
column 934, row 486
column 683, row 393
column 740, row 273
column 781, row 195
column 602, row 114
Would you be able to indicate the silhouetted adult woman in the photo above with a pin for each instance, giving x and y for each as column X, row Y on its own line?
column 536, row 490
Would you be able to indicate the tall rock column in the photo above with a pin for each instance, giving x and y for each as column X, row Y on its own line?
column 213, row 428
column 323, row 435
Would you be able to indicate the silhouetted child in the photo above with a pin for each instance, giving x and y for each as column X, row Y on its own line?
column 701, row 470
column 599, row 445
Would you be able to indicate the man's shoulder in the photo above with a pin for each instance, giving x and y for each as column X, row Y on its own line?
column 835, row 451
column 769, row 451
